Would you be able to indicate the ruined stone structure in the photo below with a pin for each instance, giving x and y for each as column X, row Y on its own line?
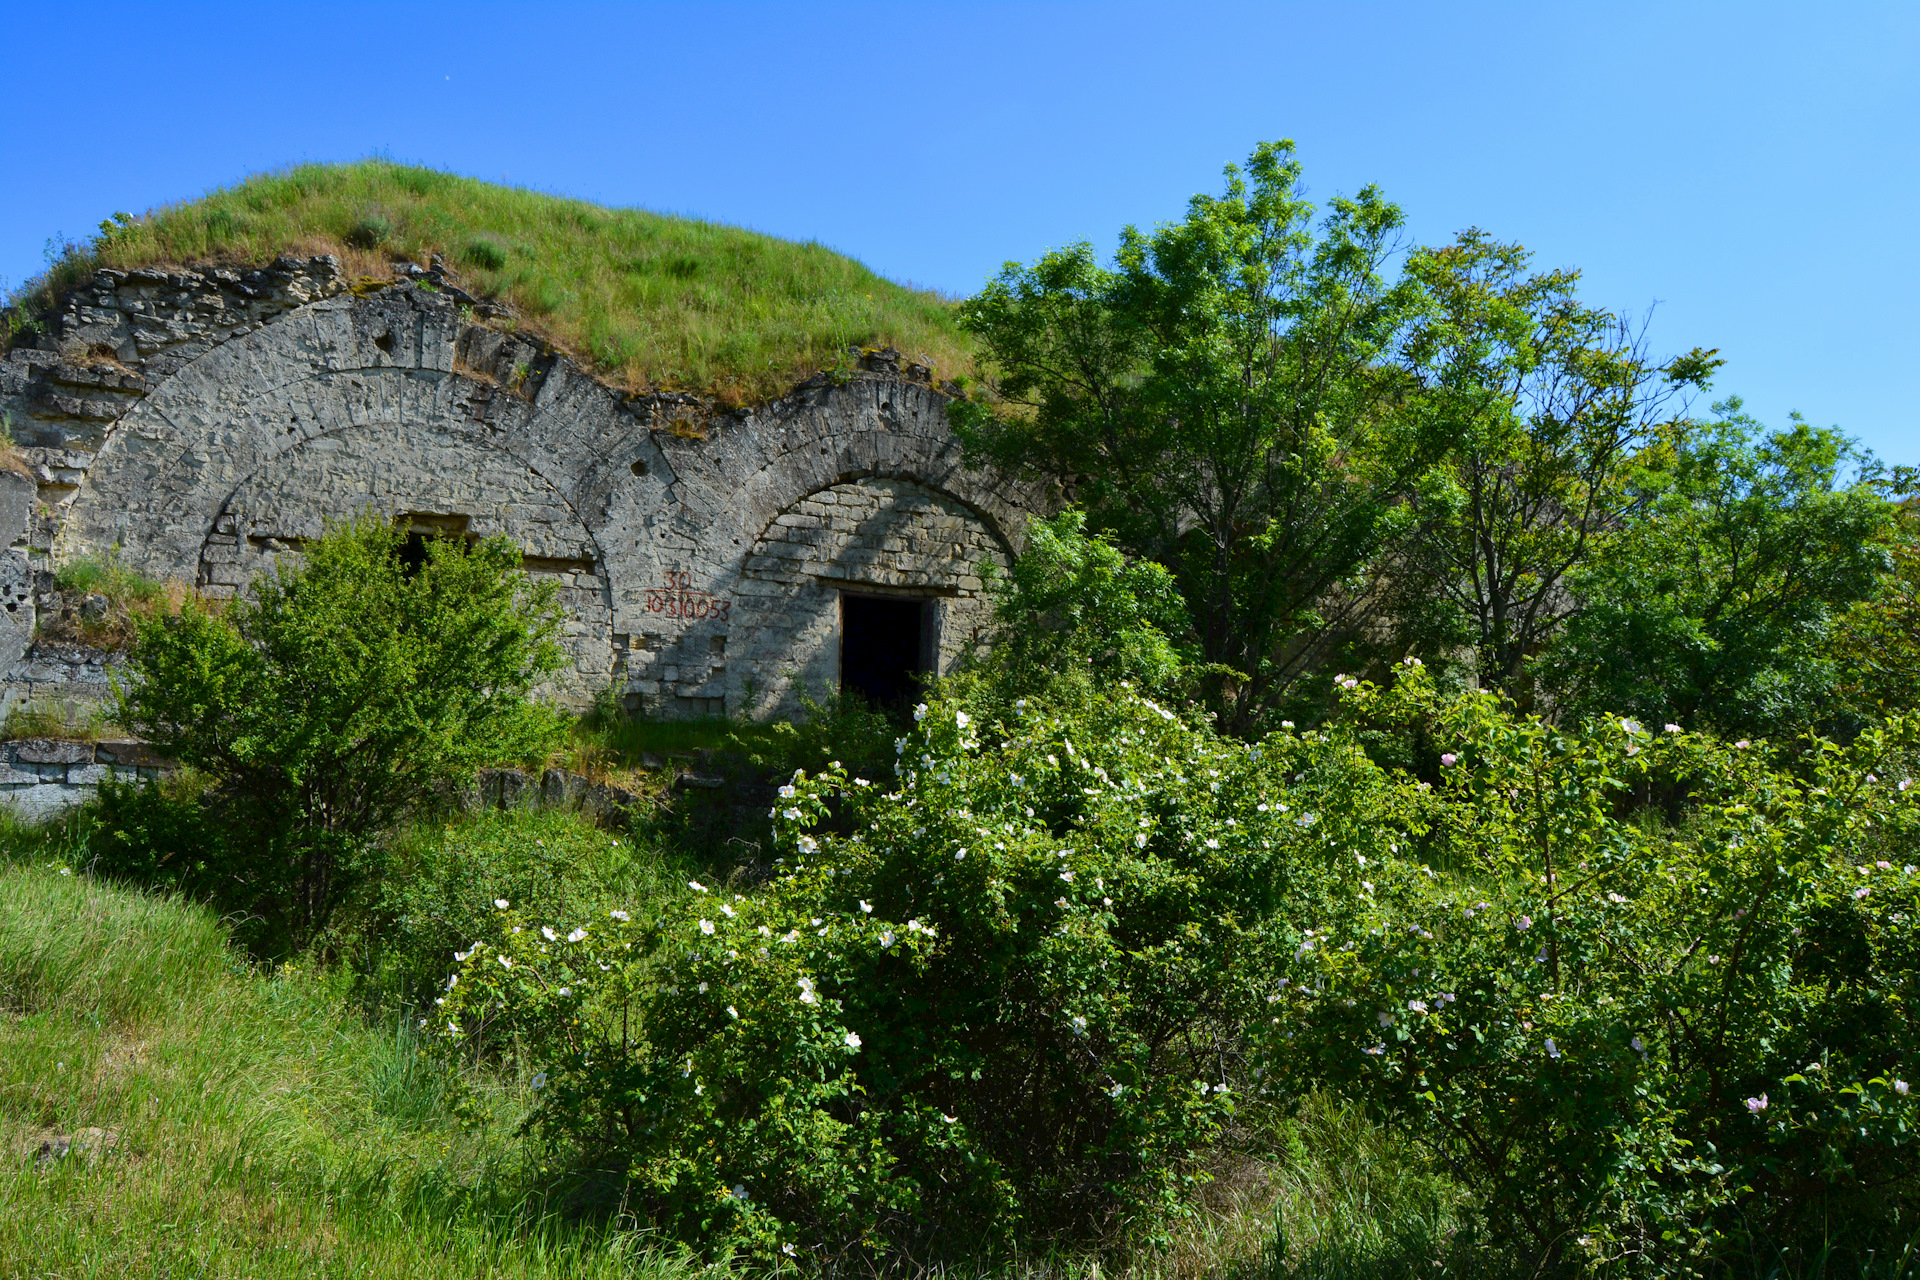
column 198, row 426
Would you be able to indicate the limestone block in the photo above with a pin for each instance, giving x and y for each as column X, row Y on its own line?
column 44, row 802
column 52, row 751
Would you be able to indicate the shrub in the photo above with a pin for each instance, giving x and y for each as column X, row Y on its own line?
column 441, row 879
column 348, row 692
column 1639, row 1044
column 371, row 229
column 1072, row 604
column 1004, row 1007
column 487, row 251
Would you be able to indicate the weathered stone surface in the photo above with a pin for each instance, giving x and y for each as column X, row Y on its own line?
column 50, row 751
column 18, row 494
column 45, row 801
column 700, row 556
column 130, row 755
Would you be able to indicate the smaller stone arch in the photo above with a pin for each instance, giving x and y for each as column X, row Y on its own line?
column 875, row 538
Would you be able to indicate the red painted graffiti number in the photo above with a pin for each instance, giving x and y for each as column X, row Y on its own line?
column 678, row 600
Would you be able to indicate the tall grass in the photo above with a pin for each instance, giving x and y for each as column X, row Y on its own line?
column 645, row 299
column 261, row 1131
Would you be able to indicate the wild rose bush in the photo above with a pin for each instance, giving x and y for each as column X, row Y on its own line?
column 1641, row 1044
column 996, row 999
column 1648, row 996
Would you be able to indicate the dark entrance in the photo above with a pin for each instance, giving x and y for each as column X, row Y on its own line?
column 881, row 642
column 421, row 526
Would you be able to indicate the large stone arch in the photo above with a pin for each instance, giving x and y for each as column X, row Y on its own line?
column 167, row 466
column 869, row 536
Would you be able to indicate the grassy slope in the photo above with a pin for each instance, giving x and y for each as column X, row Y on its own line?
column 646, row 300
column 266, row 1132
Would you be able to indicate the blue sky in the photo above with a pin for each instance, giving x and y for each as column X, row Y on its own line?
column 1747, row 170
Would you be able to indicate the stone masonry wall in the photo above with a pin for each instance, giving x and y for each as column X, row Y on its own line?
column 41, row 777
column 887, row 537
column 199, row 425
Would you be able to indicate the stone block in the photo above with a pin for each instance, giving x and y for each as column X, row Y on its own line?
column 515, row 788
column 131, row 754
column 51, row 751
column 43, row 802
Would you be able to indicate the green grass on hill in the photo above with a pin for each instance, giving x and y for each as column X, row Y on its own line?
column 264, row 1130
column 644, row 299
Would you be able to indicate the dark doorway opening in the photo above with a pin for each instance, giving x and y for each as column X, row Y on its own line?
column 881, row 646
column 413, row 554
column 421, row 527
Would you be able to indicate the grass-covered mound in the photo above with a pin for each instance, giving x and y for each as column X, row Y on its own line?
column 645, row 299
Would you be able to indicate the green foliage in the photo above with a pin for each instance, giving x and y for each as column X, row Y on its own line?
column 1652, row 1047
column 834, row 727
column 1074, row 606
column 1716, row 606
column 439, row 882
column 347, row 693
column 1221, row 400
column 372, row 229
column 487, row 251
column 645, row 299
column 1647, row 999
column 109, row 578
column 74, row 722
column 996, row 1004
column 1876, row 644
column 1545, row 403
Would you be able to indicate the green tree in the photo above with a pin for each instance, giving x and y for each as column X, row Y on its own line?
column 1547, row 403
column 1222, row 400
column 1717, row 605
column 343, row 694
column 1073, row 603
column 1877, row 642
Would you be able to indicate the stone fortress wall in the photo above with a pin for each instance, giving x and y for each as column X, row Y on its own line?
column 198, row 426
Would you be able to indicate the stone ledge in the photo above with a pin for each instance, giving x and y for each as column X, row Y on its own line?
column 41, row 778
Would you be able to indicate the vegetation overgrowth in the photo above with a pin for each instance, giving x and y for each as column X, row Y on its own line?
column 344, row 693
column 285, row 1121
column 1568, row 930
column 1018, row 990
column 1346, row 449
column 646, row 300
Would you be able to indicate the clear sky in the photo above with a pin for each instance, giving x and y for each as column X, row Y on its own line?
column 1748, row 170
